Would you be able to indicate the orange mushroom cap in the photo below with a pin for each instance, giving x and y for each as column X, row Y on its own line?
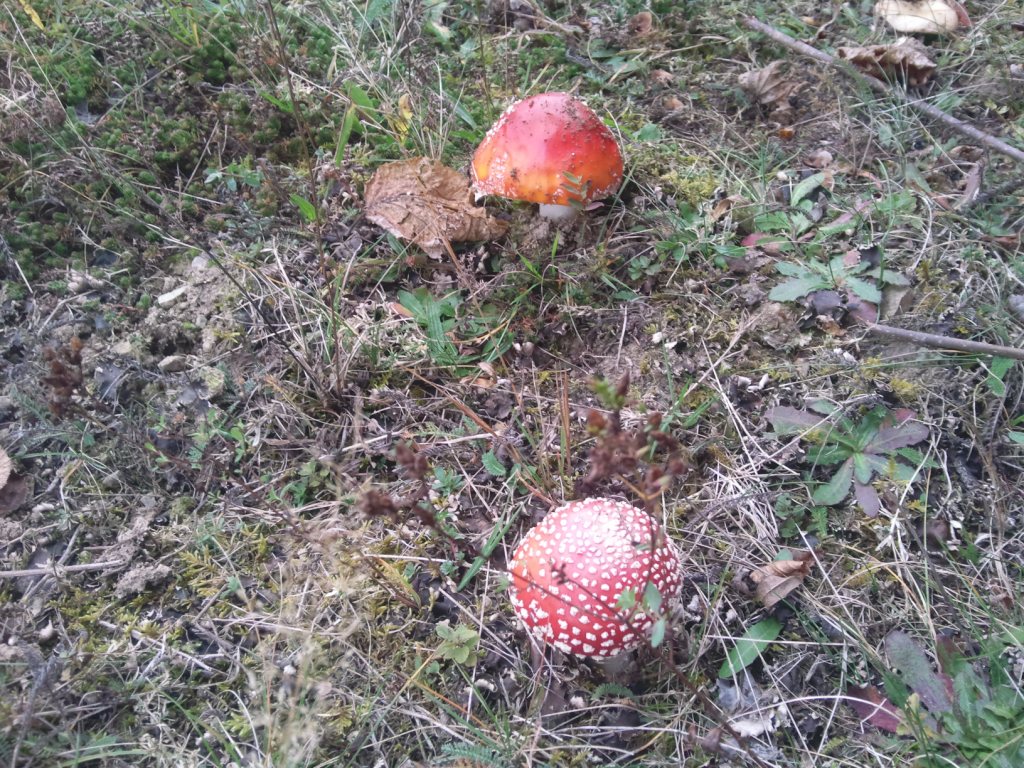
column 571, row 570
column 549, row 149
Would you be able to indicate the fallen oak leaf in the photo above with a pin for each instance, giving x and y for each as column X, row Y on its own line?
column 905, row 60
column 429, row 204
column 875, row 708
column 769, row 86
column 775, row 580
column 780, row 577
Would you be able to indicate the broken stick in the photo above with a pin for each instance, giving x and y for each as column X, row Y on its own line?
column 990, row 141
column 937, row 341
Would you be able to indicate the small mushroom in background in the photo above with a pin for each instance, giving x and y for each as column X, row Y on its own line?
column 549, row 149
column 570, row 572
column 923, row 17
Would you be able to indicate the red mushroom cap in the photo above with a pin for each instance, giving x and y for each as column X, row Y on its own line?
column 550, row 149
column 571, row 569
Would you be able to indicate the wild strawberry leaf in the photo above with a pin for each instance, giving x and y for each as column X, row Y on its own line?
column 797, row 288
column 864, row 289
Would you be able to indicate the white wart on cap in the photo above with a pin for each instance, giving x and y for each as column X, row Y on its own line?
column 570, row 571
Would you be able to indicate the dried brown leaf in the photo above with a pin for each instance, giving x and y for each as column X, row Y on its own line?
column 769, row 86
column 5, row 467
column 429, row 204
column 14, row 493
column 641, row 25
column 818, row 158
column 906, row 60
column 778, row 578
column 662, row 77
column 725, row 205
column 872, row 706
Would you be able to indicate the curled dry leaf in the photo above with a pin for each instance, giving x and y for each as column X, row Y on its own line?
column 429, row 204
column 869, row 703
column 662, row 77
column 641, row 25
column 818, row 158
column 769, row 86
column 774, row 581
column 906, row 60
column 922, row 17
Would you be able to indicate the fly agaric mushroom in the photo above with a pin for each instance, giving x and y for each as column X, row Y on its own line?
column 549, row 149
column 571, row 571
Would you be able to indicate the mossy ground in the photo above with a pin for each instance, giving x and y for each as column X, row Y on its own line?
column 205, row 586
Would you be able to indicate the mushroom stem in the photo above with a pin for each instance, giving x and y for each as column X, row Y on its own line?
column 560, row 214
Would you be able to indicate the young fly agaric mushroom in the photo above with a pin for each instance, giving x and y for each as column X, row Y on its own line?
column 549, row 149
column 570, row 572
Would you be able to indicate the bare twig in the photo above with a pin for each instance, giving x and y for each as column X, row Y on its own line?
column 58, row 570
column 990, row 141
column 936, row 341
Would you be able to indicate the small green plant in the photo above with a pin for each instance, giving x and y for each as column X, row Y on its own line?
column 219, row 430
column 847, row 273
column 482, row 336
column 458, row 644
column 235, row 175
column 955, row 715
column 862, row 450
column 446, row 482
column 796, row 517
column 650, row 603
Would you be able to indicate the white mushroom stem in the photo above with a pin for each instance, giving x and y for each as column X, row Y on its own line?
column 560, row 214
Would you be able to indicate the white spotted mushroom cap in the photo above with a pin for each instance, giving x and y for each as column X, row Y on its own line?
column 570, row 570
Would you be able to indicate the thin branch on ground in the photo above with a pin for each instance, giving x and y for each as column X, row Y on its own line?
column 58, row 570
column 990, row 141
column 937, row 341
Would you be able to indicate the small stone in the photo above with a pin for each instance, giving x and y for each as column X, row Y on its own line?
column 80, row 282
column 1015, row 302
column 7, row 407
column 173, row 364
column 112, row 481
column 200, row 262
column 169, row 298
column 214, row 380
